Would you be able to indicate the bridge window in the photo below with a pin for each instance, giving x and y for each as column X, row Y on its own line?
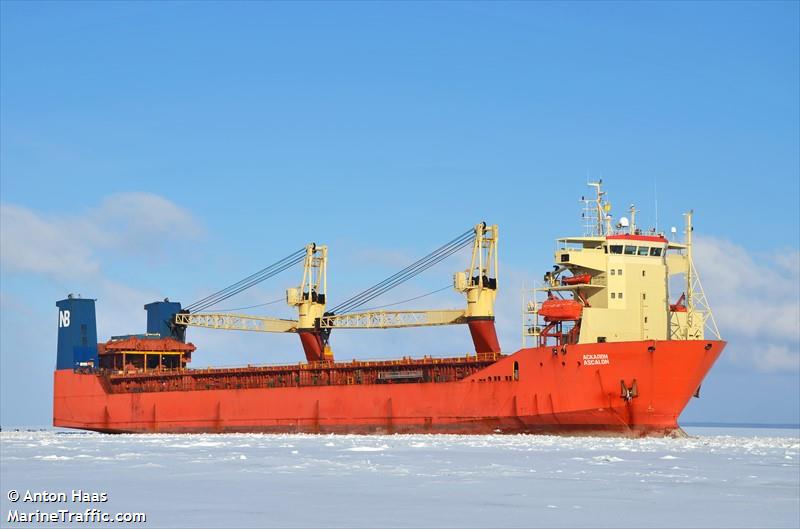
column 616, row 248
column 630, row 250
column 612, row 271
column 620, row 295
column 644, row 250
column 655, row 252
column 613, row 295
column 619, row 271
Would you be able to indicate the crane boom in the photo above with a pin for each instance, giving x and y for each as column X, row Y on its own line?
column 236, row 322
column 383, row 319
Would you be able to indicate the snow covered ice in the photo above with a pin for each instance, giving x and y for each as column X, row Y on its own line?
column 716, row 478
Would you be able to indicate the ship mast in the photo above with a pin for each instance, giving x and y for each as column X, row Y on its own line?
column 689, row 270
column 598, row 208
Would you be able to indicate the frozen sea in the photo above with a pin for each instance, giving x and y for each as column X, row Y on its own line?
column 717, row 477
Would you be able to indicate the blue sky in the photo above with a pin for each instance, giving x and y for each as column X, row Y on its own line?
column 169, row 149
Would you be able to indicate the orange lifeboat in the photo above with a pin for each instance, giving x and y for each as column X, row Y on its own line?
column 561, row 309
column 581, row 279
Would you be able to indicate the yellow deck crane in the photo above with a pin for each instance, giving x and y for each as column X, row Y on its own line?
column 308, row 298
column 478, row 283
column 314, row 323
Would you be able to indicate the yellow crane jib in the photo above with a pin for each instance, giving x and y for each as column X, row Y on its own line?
column 382, row 319
column 235, row 322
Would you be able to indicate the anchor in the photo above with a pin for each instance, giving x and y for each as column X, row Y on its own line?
column 628, row 393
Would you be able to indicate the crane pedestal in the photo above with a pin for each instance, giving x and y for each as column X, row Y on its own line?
column 484, row 335
column 313, row 346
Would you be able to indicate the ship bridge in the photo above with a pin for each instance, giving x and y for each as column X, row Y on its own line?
column 612, row 284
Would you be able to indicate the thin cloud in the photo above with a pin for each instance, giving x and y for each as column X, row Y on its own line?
column 755, row 300
column 69, row 247
column 40, row 245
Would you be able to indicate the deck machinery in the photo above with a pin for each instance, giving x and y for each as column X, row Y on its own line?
column 611, row 353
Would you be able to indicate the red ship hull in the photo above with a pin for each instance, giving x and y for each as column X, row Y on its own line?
column 628, row 388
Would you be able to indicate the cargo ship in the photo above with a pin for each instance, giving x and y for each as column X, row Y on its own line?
column 607, row 349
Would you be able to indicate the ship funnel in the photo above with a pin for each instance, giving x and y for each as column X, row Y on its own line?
column 77, row 333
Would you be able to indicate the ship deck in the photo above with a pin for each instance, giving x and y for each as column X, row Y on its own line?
column 355, row 372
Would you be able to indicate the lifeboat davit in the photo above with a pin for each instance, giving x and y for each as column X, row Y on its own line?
column 680, row 305
column 561, row 309
column 581, row 279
